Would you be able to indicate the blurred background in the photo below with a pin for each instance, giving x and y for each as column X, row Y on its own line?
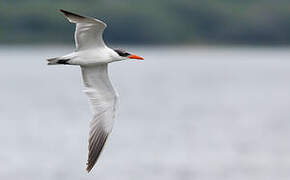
column 152, row 22
column 210, row 101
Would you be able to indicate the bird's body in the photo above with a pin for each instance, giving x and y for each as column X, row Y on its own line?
column 93, row 56
column 90, row 57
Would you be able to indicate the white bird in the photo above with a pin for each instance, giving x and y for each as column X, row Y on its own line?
column 93, row 56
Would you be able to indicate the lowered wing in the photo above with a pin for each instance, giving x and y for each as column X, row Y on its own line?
column 103, row 100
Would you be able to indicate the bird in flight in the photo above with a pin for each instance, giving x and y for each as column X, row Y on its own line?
column 93, row 56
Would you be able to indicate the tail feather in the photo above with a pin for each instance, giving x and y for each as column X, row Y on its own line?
column 57, row 60
column 52, row 61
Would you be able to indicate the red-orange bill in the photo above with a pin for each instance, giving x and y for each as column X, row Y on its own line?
column 133, row 56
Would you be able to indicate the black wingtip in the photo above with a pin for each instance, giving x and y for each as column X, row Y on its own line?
column 63, row 11
column 89, row 169
column 95, row 150
column 67, row 13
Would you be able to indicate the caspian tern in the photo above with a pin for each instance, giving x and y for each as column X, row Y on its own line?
column 93, row 56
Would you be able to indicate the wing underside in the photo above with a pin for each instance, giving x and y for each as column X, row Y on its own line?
column 103, row 100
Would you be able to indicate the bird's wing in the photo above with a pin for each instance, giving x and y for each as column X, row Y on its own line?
column 103, row 100
column 89, row 31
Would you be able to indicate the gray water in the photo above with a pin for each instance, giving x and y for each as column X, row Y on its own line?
column 186, row 113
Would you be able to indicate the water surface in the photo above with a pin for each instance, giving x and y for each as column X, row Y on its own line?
column 186, row 113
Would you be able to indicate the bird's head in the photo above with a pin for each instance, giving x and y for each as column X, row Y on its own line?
column 122, row 55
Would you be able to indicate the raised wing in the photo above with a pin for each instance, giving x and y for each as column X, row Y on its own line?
column 89, row 31
column 103, row 100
